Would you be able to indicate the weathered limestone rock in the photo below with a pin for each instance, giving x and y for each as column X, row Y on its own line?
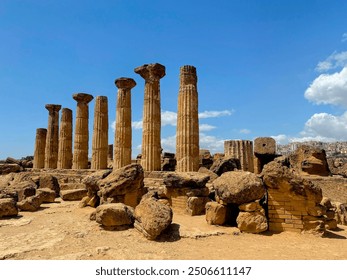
column 223, row 165
column 24, row 189
column 238, row 187
column 123, row 138
column 65, row 140
column 100, row 134
column 314, row 225
column 317, row 210
column 31, row 203
column 80, row 155
column 187, row 135
column 251, row 222
column 52, row 138
column 215, row 213
column 250, row 207
column 6, row 168
column 196, row 205
column 73, row 195
column 205, row 158
column 191, row 180
column 46, row 195
column 152, row 217
column 40, row 146
column 264, row 152
column 241, row 150
column 331, row 224
column 123, row 185
column 151, row 147
column 114, row 215
column 340, row 213
column 50, row 182
column 308, row 160
column 8, row 207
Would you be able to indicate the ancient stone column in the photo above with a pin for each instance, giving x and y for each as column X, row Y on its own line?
column 122, row 140
column 81, row 140
column 40, row 145
column 100, row 133
column 151, row 147
column 65, row 140
column 242, row 150
column 264, row 152
column 110, row 152
column 187, row 133
column 51, row 150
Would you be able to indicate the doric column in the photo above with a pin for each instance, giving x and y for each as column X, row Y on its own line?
column 122, row 140
column 242, row 150
column 51, row 150
column 187, row 133
column 81, row 140
column 65, row 140
column 151, row 147
column 40, row 145
column 100, row 133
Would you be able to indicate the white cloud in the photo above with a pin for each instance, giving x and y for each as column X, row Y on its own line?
column 329, row 89
column 206, row 127
column 215, row 114
column 344, row 37
column 211, row 143
column 281, row 139
column 168, row 144
column 168, row 118
column 137, row 124
column 335, row 60
column 245, row 131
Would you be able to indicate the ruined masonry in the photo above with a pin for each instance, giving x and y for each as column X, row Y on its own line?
column 100, row 133
column 242, row 150
column 122, row 139
column 80, row 155
column 187, row 139
column 65, row 140
column 151, row 147
column 52, row 138
column 40, row 145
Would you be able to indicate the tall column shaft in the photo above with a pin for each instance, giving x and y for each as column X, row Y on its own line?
column 40, row 145
column 81, row 140
column 51, row 150
column 242, row 150
column 100, row 133
column 151, row 146
column 65, row 140
column 187, row 135
column 123, row 135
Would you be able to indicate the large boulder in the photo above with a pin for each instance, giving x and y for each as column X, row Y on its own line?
column 46, row 195
column 32, row 203
column 223, row 165
column 122, row 183
column 24, row 189
column 73, row 195
column 152, row 217
column 189, row 180
column 6, row 168
column 196, row 205
column 252, row 222
column 8, row 207
column 114, row 215
column 238, row 187
column 50, row 182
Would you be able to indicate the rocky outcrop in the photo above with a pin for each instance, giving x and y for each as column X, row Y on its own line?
column 223, row 165
column 152, row 217
column 8, row 207
column 238, row 187
column 114, row 215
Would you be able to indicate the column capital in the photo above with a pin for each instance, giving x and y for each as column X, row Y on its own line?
column 82, row 97
column 125, row 83
column 41, row 131
column 151, row 72
column 53, row 107
column 188, row 75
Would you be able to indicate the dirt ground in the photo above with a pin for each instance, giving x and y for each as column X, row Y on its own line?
column 62, row 230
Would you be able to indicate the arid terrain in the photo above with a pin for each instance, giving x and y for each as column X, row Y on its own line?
column 62, row 230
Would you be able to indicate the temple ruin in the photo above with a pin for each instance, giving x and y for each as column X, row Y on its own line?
column 242, row 150
column 40, row 146
column 52, row 138
column 65, row 140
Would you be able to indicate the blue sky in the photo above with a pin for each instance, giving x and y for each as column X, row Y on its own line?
column 265, row 68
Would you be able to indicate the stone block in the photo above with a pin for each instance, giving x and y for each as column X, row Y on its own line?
column 215, row 213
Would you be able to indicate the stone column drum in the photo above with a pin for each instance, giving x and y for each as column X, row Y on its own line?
column 122, row 140
column 65, row 140
column 51, row 150
column 40, row 145
column 242, row 150
column 100, row 133
column 80, row 154
column 151, row 146
column 187, row 133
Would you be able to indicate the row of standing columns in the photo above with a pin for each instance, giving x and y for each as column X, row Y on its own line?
column 53, row 148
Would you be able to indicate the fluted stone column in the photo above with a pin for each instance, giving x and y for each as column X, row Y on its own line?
column 151, row 146
column 122, row 140
column 187, row 133
column 40, row 145
column 81, row 140
column 100, row 133
column 242, row 150
column 52, row 139
column 65, row 140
